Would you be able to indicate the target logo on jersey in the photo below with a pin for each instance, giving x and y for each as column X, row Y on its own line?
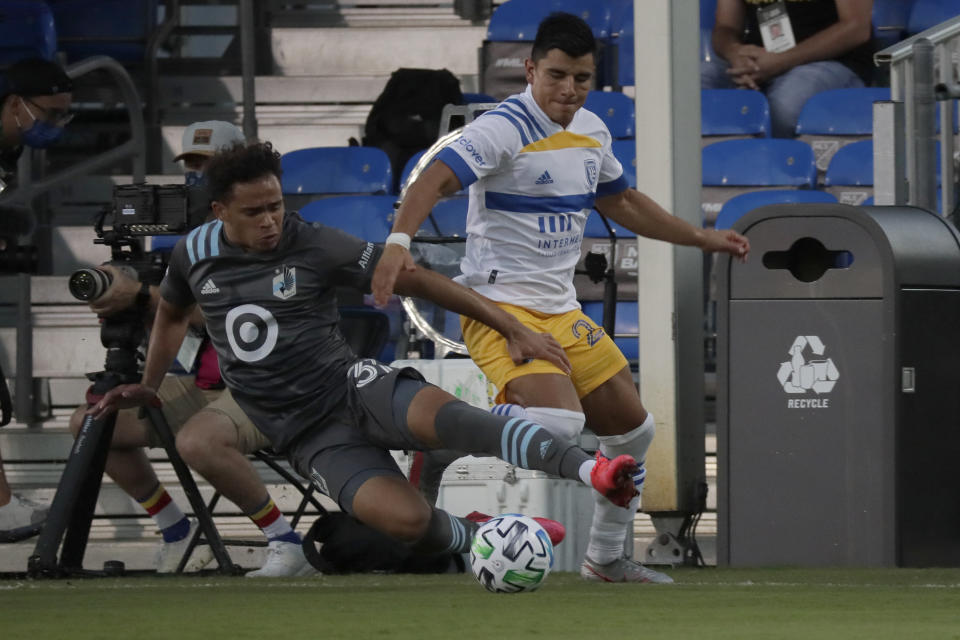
column 251, row 331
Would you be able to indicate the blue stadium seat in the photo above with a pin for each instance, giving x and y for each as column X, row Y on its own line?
column 26, row 31
column 512, row 29
column 753, row 162
column 517, row 20
column 734, row 112
column 163, row 243
column 841, row 111
column 889, row 20
column 336, row 170
column 366, row 217
column 734, row 208
column 450, row 216
column 596, row 229
column 852, row 166
column 626, row 327
column 615, row 109
column 850, row 174
column 732, row 167
column 622, row 26
column 408, row 167
column 116, row 28
column 928, row 13
column 626, row 152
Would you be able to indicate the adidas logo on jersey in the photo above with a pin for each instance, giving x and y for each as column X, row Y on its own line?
column 209, row 288
column 545, row 178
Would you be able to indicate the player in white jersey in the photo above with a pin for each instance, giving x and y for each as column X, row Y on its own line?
column 535, row 166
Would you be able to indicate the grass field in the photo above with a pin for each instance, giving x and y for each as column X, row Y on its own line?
column 704, row 603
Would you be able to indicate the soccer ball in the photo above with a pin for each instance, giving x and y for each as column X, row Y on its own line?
column 511, row 553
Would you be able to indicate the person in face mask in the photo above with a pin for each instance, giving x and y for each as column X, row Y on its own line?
column 35, row 95
column 34, row 108
column 200, row 141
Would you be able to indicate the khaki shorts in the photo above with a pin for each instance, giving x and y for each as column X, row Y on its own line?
column 182, row 399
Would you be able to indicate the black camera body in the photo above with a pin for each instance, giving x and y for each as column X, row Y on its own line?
column 139, row 210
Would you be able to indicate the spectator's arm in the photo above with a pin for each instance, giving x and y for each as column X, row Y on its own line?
column 852, row 28
column 728, row 29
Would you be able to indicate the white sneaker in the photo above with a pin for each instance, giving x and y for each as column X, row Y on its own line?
column 621, row 570
column 170, row 553
column 21, row 518
column 284, row 560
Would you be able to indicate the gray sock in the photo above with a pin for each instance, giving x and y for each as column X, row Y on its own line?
column 446, row 533
column 520, row 442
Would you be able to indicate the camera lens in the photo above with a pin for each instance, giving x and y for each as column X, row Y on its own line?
column 89, row 284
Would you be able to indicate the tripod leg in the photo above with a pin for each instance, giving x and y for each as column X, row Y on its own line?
column 74, row 502
column 204, row 518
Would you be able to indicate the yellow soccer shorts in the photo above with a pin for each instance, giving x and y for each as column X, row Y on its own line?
column 592, row 353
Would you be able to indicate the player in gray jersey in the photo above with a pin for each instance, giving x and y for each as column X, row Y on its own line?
column 265, row 284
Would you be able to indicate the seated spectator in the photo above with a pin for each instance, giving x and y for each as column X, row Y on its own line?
column 213, row 434
column 35, row 97
column 790, row 51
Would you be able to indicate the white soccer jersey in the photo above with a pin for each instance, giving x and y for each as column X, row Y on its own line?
column 532, row 186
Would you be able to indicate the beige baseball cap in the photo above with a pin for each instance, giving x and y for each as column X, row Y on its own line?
column 207, row 137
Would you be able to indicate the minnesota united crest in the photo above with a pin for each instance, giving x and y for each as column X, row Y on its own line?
column 285, row 283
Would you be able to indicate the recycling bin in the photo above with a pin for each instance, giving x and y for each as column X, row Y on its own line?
column 838, row 399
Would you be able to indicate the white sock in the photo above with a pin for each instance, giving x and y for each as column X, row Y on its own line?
column 585, row 469
column 610, row 522
column 560, row 422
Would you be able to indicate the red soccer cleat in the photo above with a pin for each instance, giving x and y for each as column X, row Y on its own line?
column 614, row 479
column 554, row 529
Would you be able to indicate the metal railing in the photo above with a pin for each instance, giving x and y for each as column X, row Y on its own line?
column 133, row 147
column 29, row 189
column 922, row 79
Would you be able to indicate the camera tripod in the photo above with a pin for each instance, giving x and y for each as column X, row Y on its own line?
column 73, row 504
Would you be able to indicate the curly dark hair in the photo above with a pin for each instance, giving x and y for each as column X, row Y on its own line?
column 240, row 163
column 566, row 32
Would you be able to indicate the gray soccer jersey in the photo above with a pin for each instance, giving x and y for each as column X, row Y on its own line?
column 272, row 317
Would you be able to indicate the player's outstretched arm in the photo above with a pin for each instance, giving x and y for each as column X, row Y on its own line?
column 169, row 329
column 522, row 343
column 639, row 213
column 437, row 181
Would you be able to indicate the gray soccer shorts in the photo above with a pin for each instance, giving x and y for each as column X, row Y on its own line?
column 353, row 444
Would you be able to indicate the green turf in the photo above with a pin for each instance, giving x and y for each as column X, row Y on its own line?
column 705, row 604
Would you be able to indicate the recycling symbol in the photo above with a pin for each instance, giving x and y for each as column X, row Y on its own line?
column 798, row 375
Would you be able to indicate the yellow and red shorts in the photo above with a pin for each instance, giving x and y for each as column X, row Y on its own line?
column 592, row 353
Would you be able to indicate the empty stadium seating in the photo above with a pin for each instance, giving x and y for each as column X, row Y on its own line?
column 733, row 113
column 928, row 13
column 732, row 167
column 116, row 28
column 834, row 118
column 889, row 20
column 26, row 31
column 366, row 217
column 615, row 109
column 324, row 171
column 512, row 29
column 626, row 152
column 734, row 208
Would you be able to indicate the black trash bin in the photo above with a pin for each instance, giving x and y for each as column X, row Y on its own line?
column 838, row 400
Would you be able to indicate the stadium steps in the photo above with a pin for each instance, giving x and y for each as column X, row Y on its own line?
column 34, row 459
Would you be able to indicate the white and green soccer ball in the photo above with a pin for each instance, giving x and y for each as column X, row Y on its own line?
column 511, row 553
